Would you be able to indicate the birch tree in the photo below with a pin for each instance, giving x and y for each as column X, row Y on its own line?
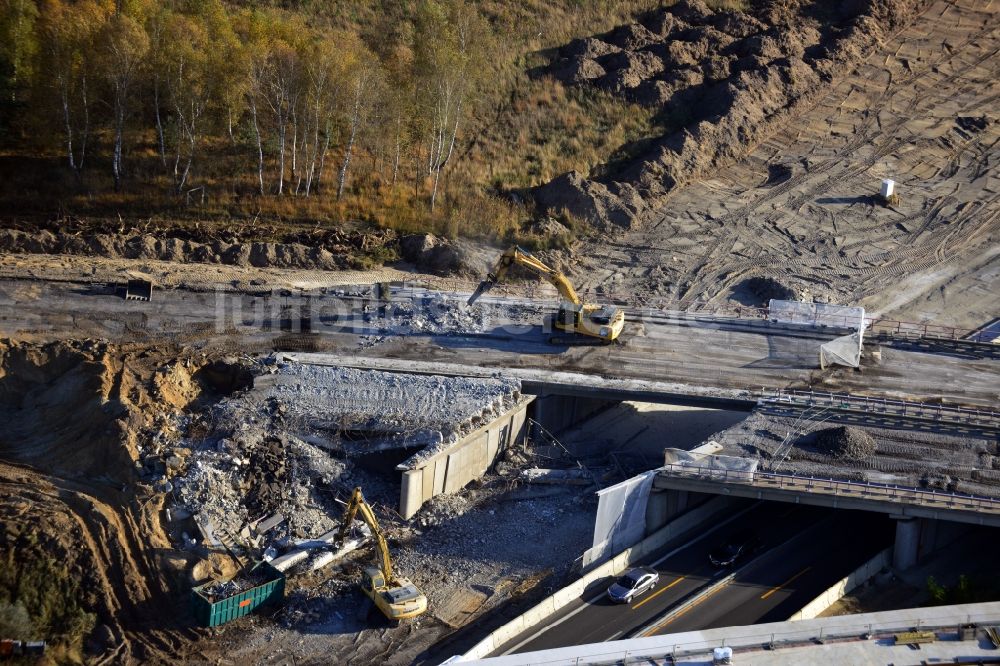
column 362, row 80
column 123, row 46
column 449, row 44
column 68, row 32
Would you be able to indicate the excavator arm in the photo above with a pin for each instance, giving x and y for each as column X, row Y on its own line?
column 520, row 257
column 357, row 504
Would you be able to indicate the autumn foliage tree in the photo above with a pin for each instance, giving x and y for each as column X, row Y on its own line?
column 287, row 105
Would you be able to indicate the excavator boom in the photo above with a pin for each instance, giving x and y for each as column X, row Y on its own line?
column 594, row 321
column 521, row 257
column 396, row 597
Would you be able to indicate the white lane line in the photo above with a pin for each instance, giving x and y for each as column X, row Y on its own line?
column 590, row 602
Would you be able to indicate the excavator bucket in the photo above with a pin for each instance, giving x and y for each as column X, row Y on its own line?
column 483, row 287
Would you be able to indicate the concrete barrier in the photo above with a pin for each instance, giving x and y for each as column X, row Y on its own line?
column 836, row 592
column 542, row 611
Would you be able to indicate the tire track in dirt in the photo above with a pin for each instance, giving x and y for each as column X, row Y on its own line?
column 728, row 272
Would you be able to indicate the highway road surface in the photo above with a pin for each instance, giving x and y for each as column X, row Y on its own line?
column 794, row 538
column 708, row 355
column 779, row 583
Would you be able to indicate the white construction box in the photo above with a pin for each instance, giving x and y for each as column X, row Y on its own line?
column 888, row 188
column 722, row 655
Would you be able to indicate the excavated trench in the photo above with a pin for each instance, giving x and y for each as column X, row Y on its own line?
column 80, row 525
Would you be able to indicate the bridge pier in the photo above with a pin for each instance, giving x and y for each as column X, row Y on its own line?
column 662, row 506
column 906, row 549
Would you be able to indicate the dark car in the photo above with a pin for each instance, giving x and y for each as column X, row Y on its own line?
column 734, row 549
column 633, row 583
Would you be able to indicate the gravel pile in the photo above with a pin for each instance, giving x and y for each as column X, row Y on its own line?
column 845, row 443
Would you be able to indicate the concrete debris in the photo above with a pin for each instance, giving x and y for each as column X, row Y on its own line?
column 439, row 314
column 288, row 560
column 268, row 524
column 346, row 399
column 246, row 580
column 559, row 476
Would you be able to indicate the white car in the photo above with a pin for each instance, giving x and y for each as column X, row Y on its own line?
column 633, row 583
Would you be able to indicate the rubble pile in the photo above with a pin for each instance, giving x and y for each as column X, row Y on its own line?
column 270, row 473
column 440, row 314
column 845, row 443
column 246, row 475
column 246, row 580
column 290, row 444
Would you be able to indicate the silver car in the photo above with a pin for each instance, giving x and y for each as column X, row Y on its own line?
column 633, row 583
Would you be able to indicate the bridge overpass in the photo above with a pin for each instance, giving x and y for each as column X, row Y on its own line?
column 667, row 356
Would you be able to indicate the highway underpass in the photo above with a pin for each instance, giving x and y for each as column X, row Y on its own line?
column 805, row 550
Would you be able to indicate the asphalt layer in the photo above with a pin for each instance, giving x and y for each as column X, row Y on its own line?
column 807, row 543
column 784, row 580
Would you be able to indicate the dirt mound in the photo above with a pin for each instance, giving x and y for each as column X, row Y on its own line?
column 261, row 247
column 723, row 81
column 435, row 255
column 80, row 522
column 766, row 288
column 845, row 443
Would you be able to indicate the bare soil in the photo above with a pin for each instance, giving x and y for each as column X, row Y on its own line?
column 802, row 207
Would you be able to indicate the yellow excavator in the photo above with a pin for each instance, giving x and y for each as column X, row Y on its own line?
column 397, row 598
column 604, row 322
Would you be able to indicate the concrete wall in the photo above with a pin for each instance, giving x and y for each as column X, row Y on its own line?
column 464, row 461
column 835, row 592
column 558, row 412
column 665, row 505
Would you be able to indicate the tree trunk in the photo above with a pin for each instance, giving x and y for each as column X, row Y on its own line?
column 395, row 162
column 85, row 137
column 64, row 89
column 260, row 145
column 116, row 156
column 159, row 122
column 281, row 157
column 350, row 142
column 322, row 158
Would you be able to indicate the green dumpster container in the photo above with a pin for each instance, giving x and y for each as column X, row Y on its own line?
column 211, row 610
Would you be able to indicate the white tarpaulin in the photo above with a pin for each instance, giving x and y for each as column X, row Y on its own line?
column 678, row 461
column 816, row 314
column 845, row 350
column 621, row 517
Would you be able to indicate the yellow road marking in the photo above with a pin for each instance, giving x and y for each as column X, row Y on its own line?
column 658, row 592
column 655, row 628
column 775, row 589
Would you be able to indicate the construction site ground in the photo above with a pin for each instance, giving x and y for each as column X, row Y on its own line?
column 803, row 207
column 82, row 416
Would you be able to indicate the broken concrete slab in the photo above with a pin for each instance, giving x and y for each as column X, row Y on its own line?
column 573, row 476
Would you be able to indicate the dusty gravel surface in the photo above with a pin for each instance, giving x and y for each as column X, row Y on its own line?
column 802, row 206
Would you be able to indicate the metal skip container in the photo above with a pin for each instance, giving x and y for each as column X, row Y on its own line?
column 219, row 602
